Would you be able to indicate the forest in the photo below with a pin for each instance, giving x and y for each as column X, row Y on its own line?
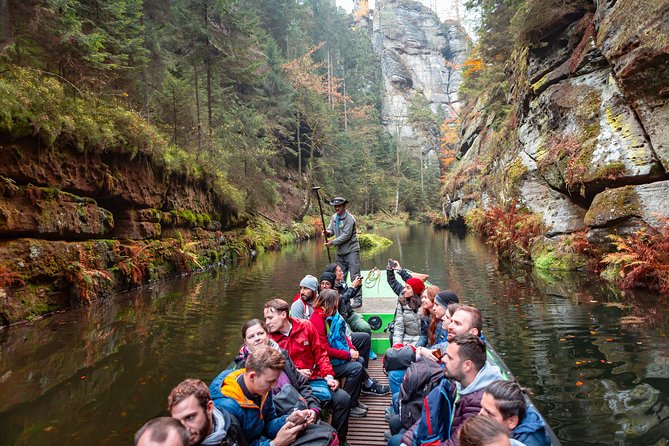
column 232, row 92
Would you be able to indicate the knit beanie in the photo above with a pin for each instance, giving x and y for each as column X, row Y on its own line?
column 416, row 285
column 330, row 277
column 310, row 282
column 446, row 297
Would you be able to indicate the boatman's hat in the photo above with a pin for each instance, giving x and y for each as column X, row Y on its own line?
column 336, row 201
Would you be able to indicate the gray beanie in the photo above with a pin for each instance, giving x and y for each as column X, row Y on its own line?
column 310, row 282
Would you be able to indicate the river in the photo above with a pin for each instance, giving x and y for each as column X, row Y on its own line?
column 597, row 360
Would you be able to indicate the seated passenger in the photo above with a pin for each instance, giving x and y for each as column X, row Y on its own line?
column 504, row 402
column 354, row 320
column 191, row 404
column 406, row 329
column 458, row 397
column 479, row 431
column 255, row 335
column 165, row 431
column 245, row 393
column 300, row 339
column 302, row 307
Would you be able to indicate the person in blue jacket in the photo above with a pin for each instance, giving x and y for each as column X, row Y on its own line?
column 504, row 402
column 245, row 394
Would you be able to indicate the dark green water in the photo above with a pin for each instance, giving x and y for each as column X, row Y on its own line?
column 597, row 361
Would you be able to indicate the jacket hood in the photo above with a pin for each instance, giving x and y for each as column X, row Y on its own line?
column 485, row 376
column 221, row 424
column 226, row 386
column 531, row 422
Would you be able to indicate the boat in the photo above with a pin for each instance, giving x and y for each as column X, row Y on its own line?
column 378, row 309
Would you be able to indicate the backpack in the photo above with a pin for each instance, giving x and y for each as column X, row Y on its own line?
column 398, row 358
column 321, row 434
column 436, row 418
column 288, row 399
column 420, row 378
column 336, row 330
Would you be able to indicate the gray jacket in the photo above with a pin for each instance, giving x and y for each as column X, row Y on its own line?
column 344, row 231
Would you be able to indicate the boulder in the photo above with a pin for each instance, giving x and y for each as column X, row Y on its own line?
column 647, row 202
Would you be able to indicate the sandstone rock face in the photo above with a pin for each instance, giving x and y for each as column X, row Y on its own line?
column 419, row 56
column 588, row 145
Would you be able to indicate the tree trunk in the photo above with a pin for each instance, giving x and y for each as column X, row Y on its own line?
column 174, row 113
column 197, row 108
column 299, row 145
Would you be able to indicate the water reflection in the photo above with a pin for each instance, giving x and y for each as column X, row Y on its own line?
column 597, row 360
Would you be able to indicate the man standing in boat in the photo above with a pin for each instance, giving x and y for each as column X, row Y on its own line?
column 342, row 227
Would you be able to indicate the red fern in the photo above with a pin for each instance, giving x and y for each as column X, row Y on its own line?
column 642, row 259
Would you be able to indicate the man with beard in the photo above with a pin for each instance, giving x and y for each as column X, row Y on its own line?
column 466, row 319
column 191, row 404
column 457, row 398
column 302, row 307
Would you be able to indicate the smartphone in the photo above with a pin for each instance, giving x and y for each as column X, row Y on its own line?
column 437, row 354
column 391, row 264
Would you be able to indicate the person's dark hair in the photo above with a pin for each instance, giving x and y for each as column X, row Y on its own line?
column 480, row 431
column 330, row 268
column 330, row 277
column 472, row 348
column 252, row 323
column 328, row 300
column 509, row 398
column 265, row 358
column 278, row 305
column 186, row 388
column 477, row 319
column 452, row 308
column 159, row 429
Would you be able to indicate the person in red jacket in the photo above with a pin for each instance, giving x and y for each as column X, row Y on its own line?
column 300, row 339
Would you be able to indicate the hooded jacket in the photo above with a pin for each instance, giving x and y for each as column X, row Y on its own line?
column 225, row 430
column 259, row 424
column 467, row 403
column 531, row 431
column 295, row 378
column 305, row 349
column 322, row 325
column 406, row 329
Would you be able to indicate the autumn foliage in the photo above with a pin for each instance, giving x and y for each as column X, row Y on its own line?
column 510, row 230
column 642, row 259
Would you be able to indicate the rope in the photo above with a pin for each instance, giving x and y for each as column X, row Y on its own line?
column 372, row 278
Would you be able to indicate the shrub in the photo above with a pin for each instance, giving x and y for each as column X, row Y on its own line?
column 641, row 259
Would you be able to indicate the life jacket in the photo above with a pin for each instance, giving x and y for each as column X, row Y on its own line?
column 335, row 327
column 419, row 379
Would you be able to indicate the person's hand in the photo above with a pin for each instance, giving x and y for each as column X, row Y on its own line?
column 313, row 416
column 299, row 416
column 333, row 384
column 305, row 372
column 354, row 354
column 288, row 433
column 357, row 282
column 397, row 266
column 327, row 244
column 426, row 353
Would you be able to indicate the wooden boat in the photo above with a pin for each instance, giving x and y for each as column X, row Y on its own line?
column 379, row 303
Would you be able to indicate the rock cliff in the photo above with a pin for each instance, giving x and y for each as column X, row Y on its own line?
column 586, row 145
column 419, row 56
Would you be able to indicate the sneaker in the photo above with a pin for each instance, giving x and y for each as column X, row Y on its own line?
column 358, row 412
column 363, row 406
column 389, row 413
column 372, row 355
column 376, row 389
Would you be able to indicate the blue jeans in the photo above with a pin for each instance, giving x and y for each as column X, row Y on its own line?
column 395, row 378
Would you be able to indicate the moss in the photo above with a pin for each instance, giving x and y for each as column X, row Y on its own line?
column 610, row 171
column 371, row 241
column 611, row 205
column 515, row 171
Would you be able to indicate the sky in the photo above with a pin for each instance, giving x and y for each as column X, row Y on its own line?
column 445, row 9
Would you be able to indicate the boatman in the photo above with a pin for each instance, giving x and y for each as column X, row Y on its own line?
column 342, row 227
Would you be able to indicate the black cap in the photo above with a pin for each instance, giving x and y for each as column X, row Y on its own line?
column 336, row 201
